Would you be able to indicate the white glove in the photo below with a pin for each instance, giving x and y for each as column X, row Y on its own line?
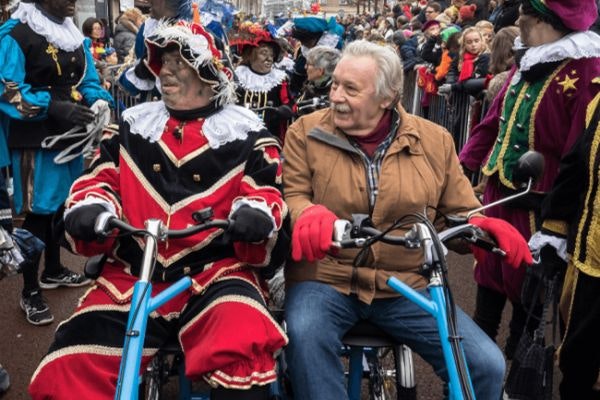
column 445, row 89
column 539, row 240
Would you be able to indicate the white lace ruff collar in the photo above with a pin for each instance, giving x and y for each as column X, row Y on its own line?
column 254, row 82
column 65, row 36
column 230, row 124
column 575, row 45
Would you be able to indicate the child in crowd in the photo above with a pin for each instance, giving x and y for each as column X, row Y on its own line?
column 487, row 30
column 472, row 62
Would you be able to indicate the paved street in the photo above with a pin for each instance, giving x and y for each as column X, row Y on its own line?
column 22, row 345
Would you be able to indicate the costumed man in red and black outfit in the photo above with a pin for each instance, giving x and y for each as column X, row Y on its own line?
column 259, row 84
column 191, row 150
column 541, row 107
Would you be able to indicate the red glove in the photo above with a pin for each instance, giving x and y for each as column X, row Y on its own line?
column 508, row 238
column 312, row 234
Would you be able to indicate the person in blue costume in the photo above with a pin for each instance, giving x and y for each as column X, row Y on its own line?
column 51, row 102
column 311, row 32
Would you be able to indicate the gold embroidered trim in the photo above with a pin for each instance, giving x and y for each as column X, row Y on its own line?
column 219, row 378
column 233, row 299
column 178, row 162
column 556, row 226
column 594, row 226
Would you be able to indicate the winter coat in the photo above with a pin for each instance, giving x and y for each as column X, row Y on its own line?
column 419, row 168
column 124, row 39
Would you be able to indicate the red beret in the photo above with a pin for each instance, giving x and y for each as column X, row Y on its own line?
column 429, row 24
column 577, row 15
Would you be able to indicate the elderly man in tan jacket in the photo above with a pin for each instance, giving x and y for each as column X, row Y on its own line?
column 368, row 155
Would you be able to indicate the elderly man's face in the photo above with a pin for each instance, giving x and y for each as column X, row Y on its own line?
column 313, row 73
column 181, row 86
column 59, row 8
column 356, row 109
column 261, row 59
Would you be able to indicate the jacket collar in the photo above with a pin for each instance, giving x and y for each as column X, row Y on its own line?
column 407, row 136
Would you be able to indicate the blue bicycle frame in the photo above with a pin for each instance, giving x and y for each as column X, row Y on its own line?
column 142, row 304
column 436, row 307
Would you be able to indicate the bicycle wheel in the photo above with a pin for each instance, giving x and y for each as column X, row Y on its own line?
column 152, row 381
column 382, row 375
column 391, row 374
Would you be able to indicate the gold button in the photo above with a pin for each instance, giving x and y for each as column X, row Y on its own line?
column 72, row 74
column 156, row 167
column 196, row 177
column 186, row 270
column 73, row 59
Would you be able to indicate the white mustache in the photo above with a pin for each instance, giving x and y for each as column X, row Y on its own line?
column 340, row 107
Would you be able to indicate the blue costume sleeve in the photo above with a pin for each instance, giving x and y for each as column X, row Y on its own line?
column 140, row 48
column 90, row 84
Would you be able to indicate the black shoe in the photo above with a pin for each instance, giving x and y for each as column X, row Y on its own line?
column 65, row 278
column 4, row 380
column 36, row 310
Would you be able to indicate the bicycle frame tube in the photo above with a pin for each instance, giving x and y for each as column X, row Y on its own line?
column 436, row 308
column 142, row 304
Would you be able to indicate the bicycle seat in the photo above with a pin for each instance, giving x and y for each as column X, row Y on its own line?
column 365, row 334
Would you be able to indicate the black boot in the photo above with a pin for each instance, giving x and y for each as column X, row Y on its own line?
column 488, row 310
column 254, row 393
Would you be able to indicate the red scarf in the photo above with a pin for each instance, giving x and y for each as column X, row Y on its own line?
column 468, row 66
column 370, row 142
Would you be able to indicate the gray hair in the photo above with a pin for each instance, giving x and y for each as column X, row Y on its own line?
column 324, row 57
column 389, row 79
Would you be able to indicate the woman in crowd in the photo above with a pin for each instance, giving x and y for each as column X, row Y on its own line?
column 320, row 63
column 93, row 30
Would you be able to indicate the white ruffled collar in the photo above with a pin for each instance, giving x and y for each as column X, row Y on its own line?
column 65, row 36
column 575, row 45
column 230, row 124
column 254, row 82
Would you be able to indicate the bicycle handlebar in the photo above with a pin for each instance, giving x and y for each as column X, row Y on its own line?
column 107, row 221
column 355, row 234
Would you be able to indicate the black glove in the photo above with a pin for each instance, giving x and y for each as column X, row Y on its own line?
column 250, row 225
column 551, row 261
column 80, row 222
column 142, row 71
column 71, row 112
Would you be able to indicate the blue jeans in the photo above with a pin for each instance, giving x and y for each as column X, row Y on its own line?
column 318, row 316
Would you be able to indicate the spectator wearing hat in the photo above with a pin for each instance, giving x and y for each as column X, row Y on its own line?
column 388, row 28
column 542, row 108
column 466, row 15
column 259, row 84
column 232, row 165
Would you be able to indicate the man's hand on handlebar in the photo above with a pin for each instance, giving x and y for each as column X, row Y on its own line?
column 509, row 240
column 80, row 222
column 312, row 234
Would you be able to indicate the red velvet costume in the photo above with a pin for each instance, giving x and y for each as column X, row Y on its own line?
column 167, row 165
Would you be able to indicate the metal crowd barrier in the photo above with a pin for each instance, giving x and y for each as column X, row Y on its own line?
column 122, row 99
column 458, row 112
